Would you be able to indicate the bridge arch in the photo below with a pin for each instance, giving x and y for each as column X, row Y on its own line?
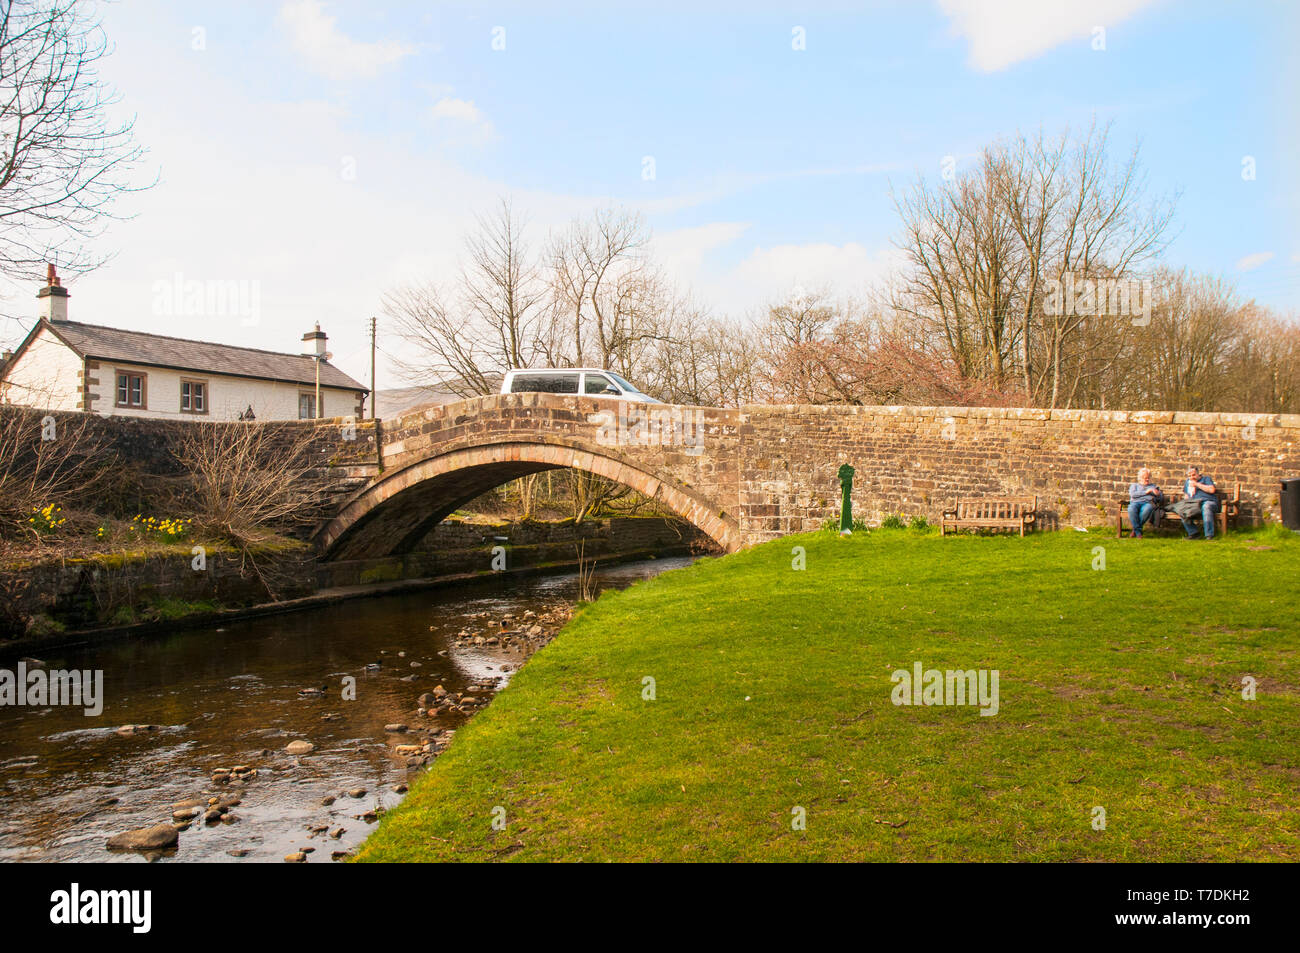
column 392, row 514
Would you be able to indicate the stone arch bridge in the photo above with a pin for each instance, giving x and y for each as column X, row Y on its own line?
column 754, row 473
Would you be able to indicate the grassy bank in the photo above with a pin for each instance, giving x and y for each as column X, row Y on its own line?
column 1119, row 688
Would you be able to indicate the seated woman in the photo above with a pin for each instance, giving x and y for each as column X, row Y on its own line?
column 1145, row 501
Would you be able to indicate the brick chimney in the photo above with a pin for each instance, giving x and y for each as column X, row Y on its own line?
column 319, row 337
column 53, row 297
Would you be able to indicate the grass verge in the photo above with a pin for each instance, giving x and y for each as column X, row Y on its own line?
column 1120, row 688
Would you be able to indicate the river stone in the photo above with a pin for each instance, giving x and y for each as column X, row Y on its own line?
column 185, row 814
column 395, row 729
column 427, row 700
column 357, row 792
column 327, row 800
column 135, row 729
column 338, row 832
column 299, row 747
column 157, row 837
column 297, row 857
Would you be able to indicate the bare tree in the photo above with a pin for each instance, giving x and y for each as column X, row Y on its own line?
column 1192, row 331
column 607, row 294
column 63, row 163
column 493, row 321
column 982, row 250
column 246, row 481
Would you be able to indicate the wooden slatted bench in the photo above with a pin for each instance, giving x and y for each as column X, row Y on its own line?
column 1010, row 512
column 1228, row 516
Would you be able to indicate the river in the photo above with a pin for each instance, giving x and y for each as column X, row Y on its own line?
column 229, row 696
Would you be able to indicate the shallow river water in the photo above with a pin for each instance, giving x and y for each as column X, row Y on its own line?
column 229, row 695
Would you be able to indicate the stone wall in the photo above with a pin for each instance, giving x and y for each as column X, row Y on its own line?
column 917, row 460
column 759, row 472
column 146, row 454
column 754, row 473
column 114, row 589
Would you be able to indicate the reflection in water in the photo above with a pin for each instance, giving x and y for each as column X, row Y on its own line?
column 228, row 696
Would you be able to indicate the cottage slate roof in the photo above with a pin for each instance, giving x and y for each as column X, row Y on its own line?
column 138, row 347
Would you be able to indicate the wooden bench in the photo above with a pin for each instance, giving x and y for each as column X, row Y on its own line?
column 1011, row 512
column 1229, row 511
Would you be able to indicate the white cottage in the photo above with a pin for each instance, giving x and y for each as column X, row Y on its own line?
column 65, row 365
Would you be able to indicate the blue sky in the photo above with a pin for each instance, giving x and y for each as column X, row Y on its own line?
column 327, row 151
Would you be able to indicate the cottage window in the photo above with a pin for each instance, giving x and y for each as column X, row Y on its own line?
column 306, row 406
column 194, row 397
column 130, row 389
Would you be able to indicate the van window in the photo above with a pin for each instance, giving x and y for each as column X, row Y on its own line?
column 596, row 383
column 629, row 388
column 544, row 383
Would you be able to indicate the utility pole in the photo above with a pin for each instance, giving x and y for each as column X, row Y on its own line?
column 372, row 368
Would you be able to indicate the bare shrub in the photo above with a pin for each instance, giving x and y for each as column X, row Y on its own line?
column 249, row 481
column 47, row 459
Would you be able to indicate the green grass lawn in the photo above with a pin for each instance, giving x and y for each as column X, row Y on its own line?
column 1119, row 688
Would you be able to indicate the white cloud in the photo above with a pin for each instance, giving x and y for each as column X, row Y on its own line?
column 773, row 273
column 682, row 251
column 1005, row 32
column 463, row 111
column 316, row 37
column 1251, row 262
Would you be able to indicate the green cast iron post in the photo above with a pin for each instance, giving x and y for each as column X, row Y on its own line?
column 846, row 504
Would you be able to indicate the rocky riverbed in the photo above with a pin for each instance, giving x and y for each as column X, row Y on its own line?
column 279, row 739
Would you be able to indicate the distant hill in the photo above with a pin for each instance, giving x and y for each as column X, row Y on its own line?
column 398, row 400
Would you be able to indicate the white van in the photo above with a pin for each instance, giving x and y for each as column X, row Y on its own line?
column 591, row 381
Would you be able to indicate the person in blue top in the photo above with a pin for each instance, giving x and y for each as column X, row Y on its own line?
column 1144, row 497
column 1201, row 490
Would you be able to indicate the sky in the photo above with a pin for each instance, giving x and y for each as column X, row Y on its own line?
column 318, row 153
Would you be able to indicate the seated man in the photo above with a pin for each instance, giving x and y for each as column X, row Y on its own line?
column 1145, row 501
column 1199, row 489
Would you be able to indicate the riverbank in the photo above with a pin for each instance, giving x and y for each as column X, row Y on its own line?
column 259, row 739
column 105, row 596
column 743, row 709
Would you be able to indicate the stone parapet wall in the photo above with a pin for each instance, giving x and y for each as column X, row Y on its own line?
column 754, row 473
column 917, row 460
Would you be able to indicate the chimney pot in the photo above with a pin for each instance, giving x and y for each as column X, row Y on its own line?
column 53, row 297
column 319, row 338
